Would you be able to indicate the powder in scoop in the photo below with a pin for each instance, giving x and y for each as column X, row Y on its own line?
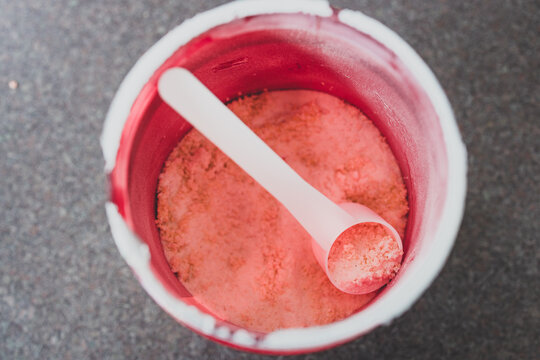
column 235, row 248
column 363, row 256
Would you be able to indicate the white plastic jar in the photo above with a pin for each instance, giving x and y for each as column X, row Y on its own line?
column 252, row 45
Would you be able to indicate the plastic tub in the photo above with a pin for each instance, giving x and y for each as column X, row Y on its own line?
column 249, row 46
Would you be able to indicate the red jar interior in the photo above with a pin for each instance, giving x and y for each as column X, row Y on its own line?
column 285, row 51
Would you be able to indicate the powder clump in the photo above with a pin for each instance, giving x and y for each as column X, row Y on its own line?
column 235, row 248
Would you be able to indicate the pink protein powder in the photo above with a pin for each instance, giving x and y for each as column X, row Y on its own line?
column 363, row 256
column 238, row 251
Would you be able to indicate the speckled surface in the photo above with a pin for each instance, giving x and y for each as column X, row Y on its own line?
column 66, row 293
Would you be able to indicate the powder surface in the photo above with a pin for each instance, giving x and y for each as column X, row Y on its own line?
column 238, row 251
column 363, row 256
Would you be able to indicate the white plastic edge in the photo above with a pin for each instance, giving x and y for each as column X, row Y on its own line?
column 420, row 274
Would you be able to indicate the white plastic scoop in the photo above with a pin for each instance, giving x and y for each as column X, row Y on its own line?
column 324, row 220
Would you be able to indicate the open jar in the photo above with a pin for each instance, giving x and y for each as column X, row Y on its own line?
column 245, row 47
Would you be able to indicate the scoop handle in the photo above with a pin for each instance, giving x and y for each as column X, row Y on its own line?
column 323, row 219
